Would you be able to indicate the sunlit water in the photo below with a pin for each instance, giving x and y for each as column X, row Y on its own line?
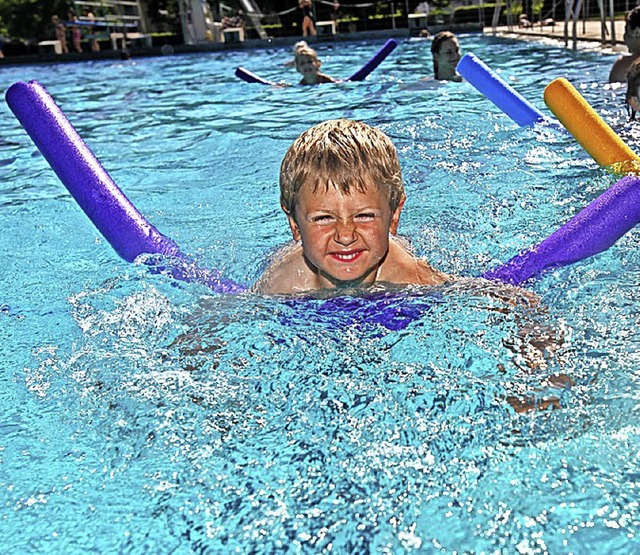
column 144, row 415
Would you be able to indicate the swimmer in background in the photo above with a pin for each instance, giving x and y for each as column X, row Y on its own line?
column 632, row 97
column 445, row 50
column 631, row 37
column 297, row 46
column 308, row 65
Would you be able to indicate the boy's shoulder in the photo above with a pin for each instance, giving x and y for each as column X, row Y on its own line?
column 323, row 78
column 286, row 262
column 402, row 266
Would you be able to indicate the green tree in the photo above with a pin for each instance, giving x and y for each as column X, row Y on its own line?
column 536, row 8
column 28, row 20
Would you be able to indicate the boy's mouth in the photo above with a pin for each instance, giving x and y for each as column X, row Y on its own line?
column 346, row 256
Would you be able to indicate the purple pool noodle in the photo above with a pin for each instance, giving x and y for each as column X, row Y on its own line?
column 593, row 230
column 249, row 77
column 117, row 219
column 374, row 62
column 126, row 229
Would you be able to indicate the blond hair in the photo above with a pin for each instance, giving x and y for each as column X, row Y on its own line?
column 299, row 45
column 345, row 154
column 305, row 50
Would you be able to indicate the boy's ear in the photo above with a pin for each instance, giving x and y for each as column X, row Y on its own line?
column 295, row 230
column 395, row 217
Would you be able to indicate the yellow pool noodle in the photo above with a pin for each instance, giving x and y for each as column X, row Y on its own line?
column 588, row 128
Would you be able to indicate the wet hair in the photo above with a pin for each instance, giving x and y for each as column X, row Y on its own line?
column 345, row 154
column 436, row 44
column 633, row 82
column 300, row 44
column 305, row 51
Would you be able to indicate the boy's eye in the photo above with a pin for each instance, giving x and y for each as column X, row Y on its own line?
column 365, row 217
column 322, row 219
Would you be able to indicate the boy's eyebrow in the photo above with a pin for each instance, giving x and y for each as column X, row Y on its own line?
column 356, row 211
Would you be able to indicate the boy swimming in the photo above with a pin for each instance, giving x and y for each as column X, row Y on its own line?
column 308, row 65
column 341, row 189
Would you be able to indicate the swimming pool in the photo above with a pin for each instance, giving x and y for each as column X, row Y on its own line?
column 271, row 428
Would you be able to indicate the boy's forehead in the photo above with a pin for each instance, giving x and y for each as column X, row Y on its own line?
column 319, row 187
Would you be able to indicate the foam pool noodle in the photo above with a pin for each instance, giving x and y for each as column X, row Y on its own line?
column 589, row 129
column 122, row 225
column 503, row 95
column 250, row 77
column 593, row 230
column 375, row 61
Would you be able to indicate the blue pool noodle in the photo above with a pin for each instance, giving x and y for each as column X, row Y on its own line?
column 360, row 75
column 505, row 97
column 591, row 231
column 126, row 229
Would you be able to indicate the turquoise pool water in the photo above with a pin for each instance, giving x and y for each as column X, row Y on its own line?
column 143, row 415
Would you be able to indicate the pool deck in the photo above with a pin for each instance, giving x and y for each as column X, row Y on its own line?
column 588, row 35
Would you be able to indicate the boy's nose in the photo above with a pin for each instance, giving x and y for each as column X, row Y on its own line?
column 345, row 233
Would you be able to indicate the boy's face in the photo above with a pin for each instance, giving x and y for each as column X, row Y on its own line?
column 344, row 237
column 307, row 65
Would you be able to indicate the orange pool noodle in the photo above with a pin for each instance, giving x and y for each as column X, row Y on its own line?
column 589, row 129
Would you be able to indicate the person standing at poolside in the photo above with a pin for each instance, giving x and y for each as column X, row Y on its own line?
column 308, row 25
column 445, row 50
column 60, row 33
column 76, row 33
column 95, row 45
column 308, row 65
column 631, row 37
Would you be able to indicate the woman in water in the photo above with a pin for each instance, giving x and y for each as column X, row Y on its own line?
column 445, row 50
